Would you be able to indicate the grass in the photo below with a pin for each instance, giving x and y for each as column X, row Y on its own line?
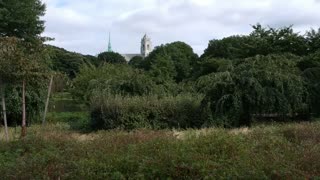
column 279, row 151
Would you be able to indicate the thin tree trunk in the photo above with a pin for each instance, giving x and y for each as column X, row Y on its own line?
column 47, row 102
column 24, row 122
column 4, row 111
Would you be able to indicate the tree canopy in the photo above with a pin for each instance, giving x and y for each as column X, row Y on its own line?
column 171, row 61
column 258, row 85
column 68, row 62
column 111, row 57
column 21, row 18
column 262, row 41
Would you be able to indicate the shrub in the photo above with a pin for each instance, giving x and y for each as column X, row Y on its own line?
column 76, row 120
column 124, row 112
column 116, row 79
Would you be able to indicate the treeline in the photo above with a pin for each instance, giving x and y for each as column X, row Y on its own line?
column 270, row 74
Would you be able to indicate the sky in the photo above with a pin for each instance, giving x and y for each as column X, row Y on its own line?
column 83, row 25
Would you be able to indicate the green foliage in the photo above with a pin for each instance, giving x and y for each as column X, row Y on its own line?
column 110, row 112
column 136, row 62
column 111, row 57
column 21, row 18
column 35, row 99
column 230, row 47
column 68, row 62
column 310, row 61
column 171, row 61
column 313, row 40
column 312, row 77
column 115, row 79
column 279, row 151
column 259, row 85
column 20, row 61
column 261, row 41
column 78, row 121
column 207, row 66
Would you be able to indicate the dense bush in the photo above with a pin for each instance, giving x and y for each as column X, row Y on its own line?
column 312, row 77
column 35, row 99
column 109, row 112
column 120, row 79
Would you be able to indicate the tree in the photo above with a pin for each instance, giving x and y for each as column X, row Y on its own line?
column 259, row 85
column 312, row 76
column 230, row 47
column 310, row 61
column 6, row 52
column 21, row 19
column 111, row 57
column 171, row 61
column 208, row 65
column 261, row 41
column 119, row 79
column 68, row 62
column 136, row 62
column 313, row 40
column 26, row 66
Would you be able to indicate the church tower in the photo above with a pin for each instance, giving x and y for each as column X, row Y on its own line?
column 146, row 46
column 109, row 44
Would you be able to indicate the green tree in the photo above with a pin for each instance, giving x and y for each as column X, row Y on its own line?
column 111, row 57
column 21, row 18
column 68, row 62
column 20, row 21
column 137, row 62
column 171, row 61
column 27, row 68
column 259, row 85
column 313, row 40
column 261, row 41
column 230, row 47
column 119, row 79
column 312, row 77
column 310, row 61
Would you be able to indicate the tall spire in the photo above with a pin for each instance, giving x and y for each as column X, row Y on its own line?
column 109, row 44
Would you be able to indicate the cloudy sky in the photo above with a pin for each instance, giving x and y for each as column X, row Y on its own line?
column 83, row 25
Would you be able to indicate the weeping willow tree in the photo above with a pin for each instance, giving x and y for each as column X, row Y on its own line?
column 312, row 77
column 257, row 86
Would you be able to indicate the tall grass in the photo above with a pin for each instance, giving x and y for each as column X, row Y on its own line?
column 290, row 151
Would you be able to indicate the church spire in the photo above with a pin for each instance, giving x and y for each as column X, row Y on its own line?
column 109, row 44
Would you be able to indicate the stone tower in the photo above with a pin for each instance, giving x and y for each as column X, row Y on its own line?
column 146, row 46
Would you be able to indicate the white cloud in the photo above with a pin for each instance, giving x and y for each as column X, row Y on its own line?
column 83, row 25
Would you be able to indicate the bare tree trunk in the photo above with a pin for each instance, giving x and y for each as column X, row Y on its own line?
column 47, row 102
column 24, row 122
column 4, row 111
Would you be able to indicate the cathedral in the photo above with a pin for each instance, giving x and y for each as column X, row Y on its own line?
column 145, row 48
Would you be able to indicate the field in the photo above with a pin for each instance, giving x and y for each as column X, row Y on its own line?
column 286, row 151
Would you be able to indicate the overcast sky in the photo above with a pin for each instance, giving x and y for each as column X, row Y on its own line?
column 83, row 25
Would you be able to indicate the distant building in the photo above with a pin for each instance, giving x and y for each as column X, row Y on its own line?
column 145, row 48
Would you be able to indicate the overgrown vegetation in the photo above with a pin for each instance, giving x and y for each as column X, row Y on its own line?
column 125, row 112
column 272, row 74
column 288, row 151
